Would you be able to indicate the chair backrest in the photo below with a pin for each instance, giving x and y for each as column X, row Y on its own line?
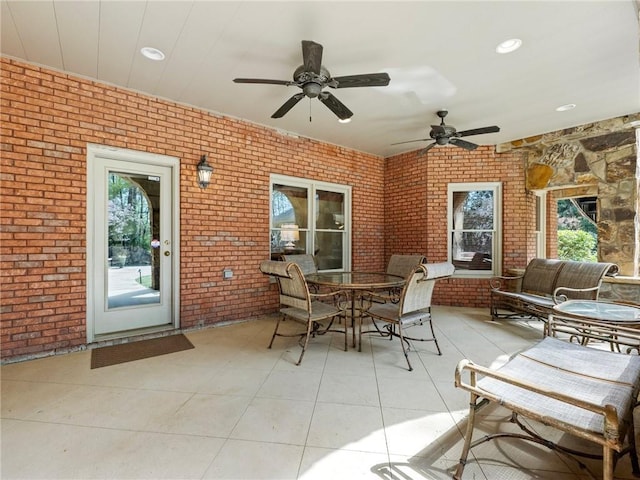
column 583, row 275
column 294, row 291
column 417, row 292
column 540, row 276
column 306, row 262
column 403, row 265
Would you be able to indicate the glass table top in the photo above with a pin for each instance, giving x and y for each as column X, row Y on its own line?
column 604, row 311
column 355, row 280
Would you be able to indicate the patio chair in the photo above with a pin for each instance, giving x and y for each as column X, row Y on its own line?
column 413, row 308
column 299, row 304
column 306, row 262
column 401, row 266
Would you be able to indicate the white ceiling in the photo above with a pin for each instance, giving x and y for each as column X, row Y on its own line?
column 439, row 54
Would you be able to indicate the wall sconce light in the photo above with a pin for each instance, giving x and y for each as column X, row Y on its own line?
column 204, row 172
column 290, row 234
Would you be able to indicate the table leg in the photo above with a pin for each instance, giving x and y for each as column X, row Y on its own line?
column 353, row 315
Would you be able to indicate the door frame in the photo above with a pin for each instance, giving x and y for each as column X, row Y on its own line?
column 94, row 151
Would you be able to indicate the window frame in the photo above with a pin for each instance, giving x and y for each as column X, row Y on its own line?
column 496, row 188
column 312, row 187
column 541, row 224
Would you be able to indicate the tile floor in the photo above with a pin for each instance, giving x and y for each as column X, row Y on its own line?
column 233, row 409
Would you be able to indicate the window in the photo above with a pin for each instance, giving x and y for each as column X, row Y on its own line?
column 474, row 223
column 311, row 217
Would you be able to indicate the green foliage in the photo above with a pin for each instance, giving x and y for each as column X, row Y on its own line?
column 577, row 235
column 577, row 245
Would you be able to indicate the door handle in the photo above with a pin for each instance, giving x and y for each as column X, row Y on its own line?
column 167, row 253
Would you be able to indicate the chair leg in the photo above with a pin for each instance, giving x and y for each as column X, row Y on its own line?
column 404, row 349
column 346, row 333
column 306, row 341
column 433, row 334
column 633, row 453
column 608, row 462
column 275, row 332
column 467, row 438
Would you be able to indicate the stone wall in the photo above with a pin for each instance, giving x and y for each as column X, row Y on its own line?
column 595, row 159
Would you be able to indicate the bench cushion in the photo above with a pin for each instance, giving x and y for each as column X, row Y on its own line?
column 527, row 299
column 595, row 376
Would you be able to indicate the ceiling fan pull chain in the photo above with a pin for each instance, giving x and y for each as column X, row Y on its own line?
column 309, row 110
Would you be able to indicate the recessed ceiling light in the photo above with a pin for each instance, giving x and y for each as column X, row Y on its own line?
column 152, row 53
column 509, row 46
column 564, row 108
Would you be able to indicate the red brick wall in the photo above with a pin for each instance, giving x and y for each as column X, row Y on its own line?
column 47, row 120
column 416, row 211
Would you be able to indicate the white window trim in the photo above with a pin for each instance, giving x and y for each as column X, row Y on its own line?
column 541, row 219
column 312, row 186
column 496, row 254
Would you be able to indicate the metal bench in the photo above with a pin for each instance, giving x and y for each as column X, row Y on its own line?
column 586, row 392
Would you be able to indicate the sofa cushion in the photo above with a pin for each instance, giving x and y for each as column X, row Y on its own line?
column 582, row 275
column 540, row 276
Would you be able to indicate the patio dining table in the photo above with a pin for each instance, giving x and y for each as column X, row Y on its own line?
column 355, row 283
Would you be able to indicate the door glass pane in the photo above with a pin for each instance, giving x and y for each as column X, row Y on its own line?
column 133, row 240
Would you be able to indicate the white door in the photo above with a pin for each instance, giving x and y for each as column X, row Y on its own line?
column 132, row 246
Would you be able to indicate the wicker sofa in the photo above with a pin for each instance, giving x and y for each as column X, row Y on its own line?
column 543, row 284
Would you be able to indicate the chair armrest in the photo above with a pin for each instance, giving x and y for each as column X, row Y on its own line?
column 338, row 297
column 496, row 282
column 376, row 296
column 559, row 298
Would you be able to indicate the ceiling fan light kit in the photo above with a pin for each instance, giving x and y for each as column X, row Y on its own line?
column 312, row 77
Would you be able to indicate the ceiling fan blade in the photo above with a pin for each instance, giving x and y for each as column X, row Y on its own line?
column 288, row 105
column 364, row 80
column 427, row 148
column 478, row 131
column 411, row 141
column 335, row 105
column 438, row 130
column 463, row 143
column 264, row 81
column 311, row 56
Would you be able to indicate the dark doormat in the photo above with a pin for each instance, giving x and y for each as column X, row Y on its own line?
column 128, row 352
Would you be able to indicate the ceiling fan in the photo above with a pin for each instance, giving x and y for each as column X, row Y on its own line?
column 312, row 77
column 447, row 134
